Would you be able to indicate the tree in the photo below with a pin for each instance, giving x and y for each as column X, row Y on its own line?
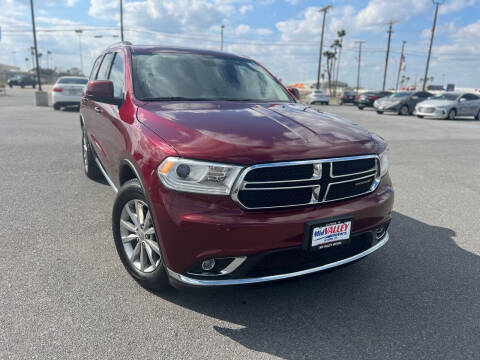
column 330, row 56
column 341, row 34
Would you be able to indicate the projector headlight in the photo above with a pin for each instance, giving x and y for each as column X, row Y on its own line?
column 200, row 177
column 384, row 162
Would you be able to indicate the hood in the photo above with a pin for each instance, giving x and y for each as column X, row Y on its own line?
column 437, row 103
column 242, row 133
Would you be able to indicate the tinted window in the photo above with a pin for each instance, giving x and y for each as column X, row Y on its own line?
column 164, row 76
column 94, row 68
column 470, row 97
column 72, row 81
column 423, row 94
column 116, row 75
column 447, row 96
column 401, row 94
column 105, row 67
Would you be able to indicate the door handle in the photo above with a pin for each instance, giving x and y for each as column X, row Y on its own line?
column 98, row 109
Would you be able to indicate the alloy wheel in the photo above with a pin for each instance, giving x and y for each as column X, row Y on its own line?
column 404, row 110
column 138, row 236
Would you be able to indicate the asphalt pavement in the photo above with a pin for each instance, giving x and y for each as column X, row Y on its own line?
column 65, row 294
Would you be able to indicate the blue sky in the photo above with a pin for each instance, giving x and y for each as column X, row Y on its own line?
column 281, row 34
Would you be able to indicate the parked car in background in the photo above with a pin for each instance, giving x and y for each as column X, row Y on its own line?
column 68, row 91
column 403, row 103
column 317, row 97
column 221, row 178
column 22, row 81
column 347, row 97
column 449, row 105
column 367, row 99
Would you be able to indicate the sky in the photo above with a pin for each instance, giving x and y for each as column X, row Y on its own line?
column 283, row 35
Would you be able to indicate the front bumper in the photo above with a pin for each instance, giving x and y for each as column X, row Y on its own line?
column 393, row 108
column 192, row 228
column 437, row 113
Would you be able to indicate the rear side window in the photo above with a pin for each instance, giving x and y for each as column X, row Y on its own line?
column 105, row 67
column 116, row 75
column 72, row 81
column 470, row 97
column 95, row 68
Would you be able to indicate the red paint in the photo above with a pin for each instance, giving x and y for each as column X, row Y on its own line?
column 192, row 226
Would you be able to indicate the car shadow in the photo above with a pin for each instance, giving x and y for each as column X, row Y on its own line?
column 417, row 297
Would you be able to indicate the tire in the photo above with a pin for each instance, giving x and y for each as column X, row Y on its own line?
column 10, row 85
column 420, row 116
column 33, row 86
column 56, row 106
column 148, row 256
column 22, row 85
column 379, row 112
column 89, row 165
column 452, row 114
column 404, row 110
column 360, row 107
column 477, row 117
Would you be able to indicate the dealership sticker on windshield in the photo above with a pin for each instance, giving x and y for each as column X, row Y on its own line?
column 331, row 234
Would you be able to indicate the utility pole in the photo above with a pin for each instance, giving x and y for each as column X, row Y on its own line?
column 437, row 3
column 221, row 36
column 79, row 33
column 32, row 53
column 48, row 58
column 121, row 20
column 35, row 45
column 400, row 65
column 390, row 23
column 324, row 10
column 360, row 42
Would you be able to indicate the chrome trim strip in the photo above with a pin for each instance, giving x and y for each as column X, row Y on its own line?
column 196, row 282
column 375, row 168
column 239, row 182
column 280, row 187
column 346, row 181
column 110, row 182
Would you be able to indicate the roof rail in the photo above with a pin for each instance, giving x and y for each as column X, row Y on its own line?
column 120, row 43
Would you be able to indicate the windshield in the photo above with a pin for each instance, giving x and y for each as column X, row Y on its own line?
column 72, row 81
column 167, row 76
column 445, row 97
column 401, row 94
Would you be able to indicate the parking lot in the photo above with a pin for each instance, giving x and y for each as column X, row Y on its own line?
column 65, row 294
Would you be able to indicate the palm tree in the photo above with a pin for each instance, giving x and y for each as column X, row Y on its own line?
column 330, row 56
column 341, row 34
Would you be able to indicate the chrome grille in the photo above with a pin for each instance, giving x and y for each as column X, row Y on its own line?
column 300, row 183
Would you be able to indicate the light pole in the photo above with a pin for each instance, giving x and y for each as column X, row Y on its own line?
column 324, row 10
column 221, row 36
column 79, row 33
column 390, row 23
column 437, row 3
column 35, row 46
column 121, row 20
column 360, row 42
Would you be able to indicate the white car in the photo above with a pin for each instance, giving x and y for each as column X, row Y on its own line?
column 68, row 91
column 449, row 105
column 317, row 97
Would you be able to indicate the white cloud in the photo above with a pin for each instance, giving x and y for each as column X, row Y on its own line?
column 455, row 6
column 244, row 8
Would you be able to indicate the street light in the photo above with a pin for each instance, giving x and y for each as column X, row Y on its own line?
column 79, row 33
column 437, row 3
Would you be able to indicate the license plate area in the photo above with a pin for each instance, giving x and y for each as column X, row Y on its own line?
column 327, row 233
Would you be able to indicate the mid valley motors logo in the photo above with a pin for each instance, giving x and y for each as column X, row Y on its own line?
column 332, row 230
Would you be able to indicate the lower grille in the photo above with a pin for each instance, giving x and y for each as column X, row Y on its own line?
column 299, row 183
column 426, row 109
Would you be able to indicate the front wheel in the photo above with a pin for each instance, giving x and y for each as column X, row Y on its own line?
column 56, row 106
column 360, row 107
column 379, row 112
column 452, row 114
column 420, row 116
column 404, row 110
column 477, row 117
column 136, row 239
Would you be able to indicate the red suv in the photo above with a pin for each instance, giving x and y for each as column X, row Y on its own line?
column 221, row 177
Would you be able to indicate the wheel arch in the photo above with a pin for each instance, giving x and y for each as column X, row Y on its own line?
column 127, row 171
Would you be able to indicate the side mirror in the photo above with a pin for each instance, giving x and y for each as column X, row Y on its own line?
column 462, row 100
column 101, row 91
column 294, row 91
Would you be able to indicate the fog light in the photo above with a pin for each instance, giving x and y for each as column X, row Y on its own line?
column 208, row 265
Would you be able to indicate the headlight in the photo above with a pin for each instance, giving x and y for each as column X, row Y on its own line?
column 384, row 162
column 197, row 176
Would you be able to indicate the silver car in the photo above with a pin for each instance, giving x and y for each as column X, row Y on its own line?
column 317, row 97
column 449, row 105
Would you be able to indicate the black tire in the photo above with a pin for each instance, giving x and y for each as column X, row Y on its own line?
column 404, row 110
column 452, row 114
column 56, row 106
column 33, row 86
column 89, row 165
column 10, row 85
column 420, row 116
column 477, row 117
column 157, row 279
column 22, row 85
column 379, row 112
column 360, row 107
